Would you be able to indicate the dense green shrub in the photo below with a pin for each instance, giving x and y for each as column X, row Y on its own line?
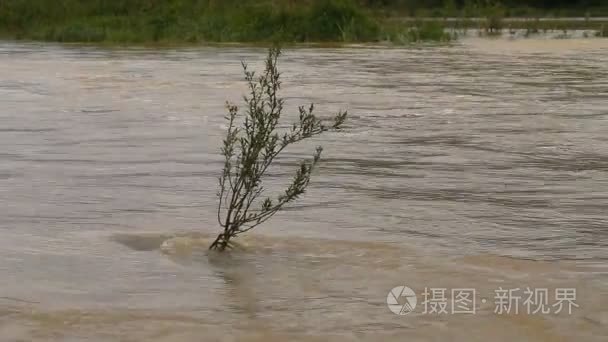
column 339, row 20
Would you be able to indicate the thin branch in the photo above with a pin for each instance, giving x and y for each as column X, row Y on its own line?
column 249, row 150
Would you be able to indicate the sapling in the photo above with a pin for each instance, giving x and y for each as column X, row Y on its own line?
column 252, row 143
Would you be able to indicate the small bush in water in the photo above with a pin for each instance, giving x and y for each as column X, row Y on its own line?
column 250, row 146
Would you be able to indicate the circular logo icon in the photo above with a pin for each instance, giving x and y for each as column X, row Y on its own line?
column 401, row 300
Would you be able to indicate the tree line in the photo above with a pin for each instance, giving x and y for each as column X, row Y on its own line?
column 540, row 4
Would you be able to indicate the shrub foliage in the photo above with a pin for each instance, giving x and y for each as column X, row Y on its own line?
column 252, row 143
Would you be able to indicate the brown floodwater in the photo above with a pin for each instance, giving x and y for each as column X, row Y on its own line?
column 479, row 165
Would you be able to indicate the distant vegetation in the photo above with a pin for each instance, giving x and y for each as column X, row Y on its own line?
column 191, row 21
column 477, row 8
column 133, row 21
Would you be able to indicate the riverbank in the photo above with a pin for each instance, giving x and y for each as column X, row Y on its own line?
column 192, row 22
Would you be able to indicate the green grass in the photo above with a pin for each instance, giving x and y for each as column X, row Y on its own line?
column 250, row 21
column 187, row 21
column 194, row 21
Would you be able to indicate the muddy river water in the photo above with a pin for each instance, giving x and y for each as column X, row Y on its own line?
column 482, row 165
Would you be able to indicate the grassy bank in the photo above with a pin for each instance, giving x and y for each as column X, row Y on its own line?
column 191, row 21
column 259, row 21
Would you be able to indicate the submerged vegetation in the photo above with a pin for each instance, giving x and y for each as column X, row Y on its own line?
column 192, row 21
column 252, row 143
column 417, row 31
